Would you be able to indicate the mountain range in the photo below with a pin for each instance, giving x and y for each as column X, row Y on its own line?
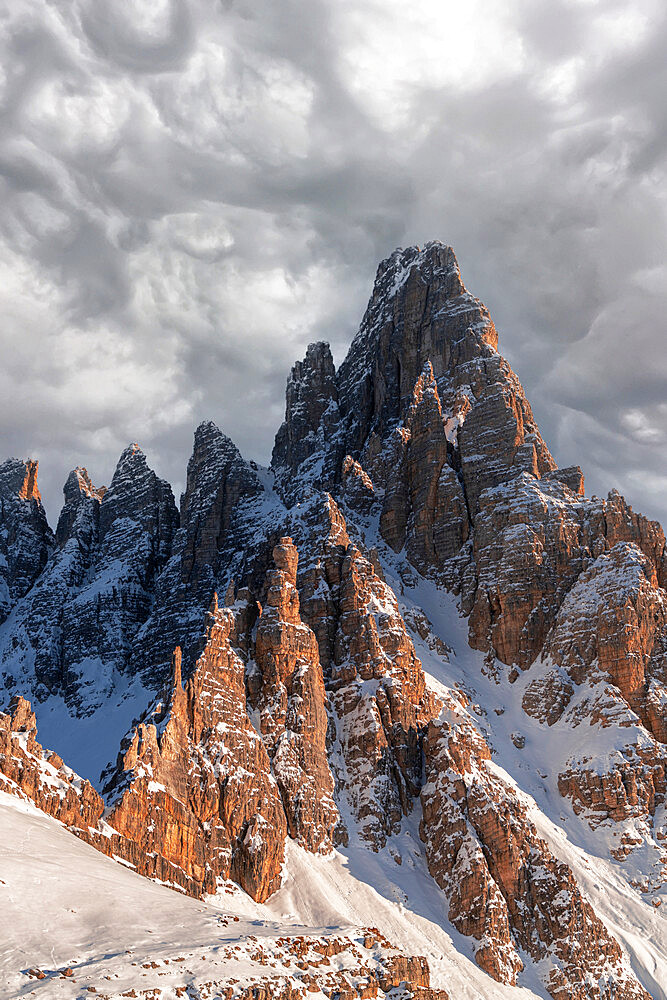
column 392, row 710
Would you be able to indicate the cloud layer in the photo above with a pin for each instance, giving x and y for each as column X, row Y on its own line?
column 191, row 191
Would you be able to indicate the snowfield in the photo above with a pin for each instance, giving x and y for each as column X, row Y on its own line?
column 64, row 905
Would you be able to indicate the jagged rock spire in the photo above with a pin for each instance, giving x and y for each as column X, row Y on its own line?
column 309, row 703
column 311, row 423
column 25, row 536
column 217, row 478
column 137, row 493
column 420, row 316
column 80, row 494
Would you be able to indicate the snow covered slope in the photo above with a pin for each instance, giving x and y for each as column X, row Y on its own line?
column 66, row 906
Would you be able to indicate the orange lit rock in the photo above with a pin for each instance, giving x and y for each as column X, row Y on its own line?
column 506, row 888
column 195, row 784
column 287, row 690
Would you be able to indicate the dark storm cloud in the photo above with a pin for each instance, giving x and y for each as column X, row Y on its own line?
column 192, row 191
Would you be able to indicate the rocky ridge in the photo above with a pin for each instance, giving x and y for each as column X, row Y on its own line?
column 298, row 708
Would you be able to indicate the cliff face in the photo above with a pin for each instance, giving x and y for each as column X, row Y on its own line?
column 74, row 630
column 287, row 691
column 25, row 537
column 419, row 315
column 506, row 888
column 193, row 781
column 328, row 699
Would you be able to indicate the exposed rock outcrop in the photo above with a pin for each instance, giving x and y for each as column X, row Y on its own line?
column 25, row 537
column 217, row 478
column 286, row 689
column 80, row 497
column 311, row 423
column 506, row 888
column 75, row 630
column 415, row 468
column 219, row 510
column 40, row 775
column 419, row 313
column 424, row 504
column 373, row 677
column 532, row 541
column 193, row 782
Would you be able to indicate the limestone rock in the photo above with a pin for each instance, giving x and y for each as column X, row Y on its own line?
column 357, row 487
column 417, row 466
column 25, row 537
column 286, row 686
column 374, row 680
column 217, row 478
column 506, row 888
column 39, row 775
column 532, row 540
column 424, row 504
column 615, row 617
column 195, row 785
column 221, row 489
column 311, row 417
column 77, row 490
column 419, row 313
column 45, row 620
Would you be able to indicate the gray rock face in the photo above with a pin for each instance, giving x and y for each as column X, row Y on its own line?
column 217, row 478
column 46, row 625
column 77, row 490
column 25, row 537
column 219, row 511
column 74, row 631
column 311, row 421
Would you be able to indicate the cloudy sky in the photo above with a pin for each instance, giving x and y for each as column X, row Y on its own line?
column 192, row 190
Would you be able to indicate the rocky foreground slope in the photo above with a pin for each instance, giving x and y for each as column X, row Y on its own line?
column 413, row 621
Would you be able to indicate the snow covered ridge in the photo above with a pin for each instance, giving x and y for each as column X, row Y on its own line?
column 411, row 654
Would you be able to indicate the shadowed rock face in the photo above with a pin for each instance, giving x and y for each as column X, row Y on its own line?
column 81, row 498
column 311, row 420
column 74, row 630
column 219, row 511
column 300, row 709
column 25, row 537
column 217, row 478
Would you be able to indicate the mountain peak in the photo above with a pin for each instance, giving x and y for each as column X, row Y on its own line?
column 214, row 454
column 25, row 536
column 136, row 492
column 311, row 410
column 78, row 492
column 434, row 259
column 79, row 483
column 18, row 477
column 209, row 438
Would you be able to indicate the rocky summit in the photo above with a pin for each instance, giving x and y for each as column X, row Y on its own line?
column 408, row 679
